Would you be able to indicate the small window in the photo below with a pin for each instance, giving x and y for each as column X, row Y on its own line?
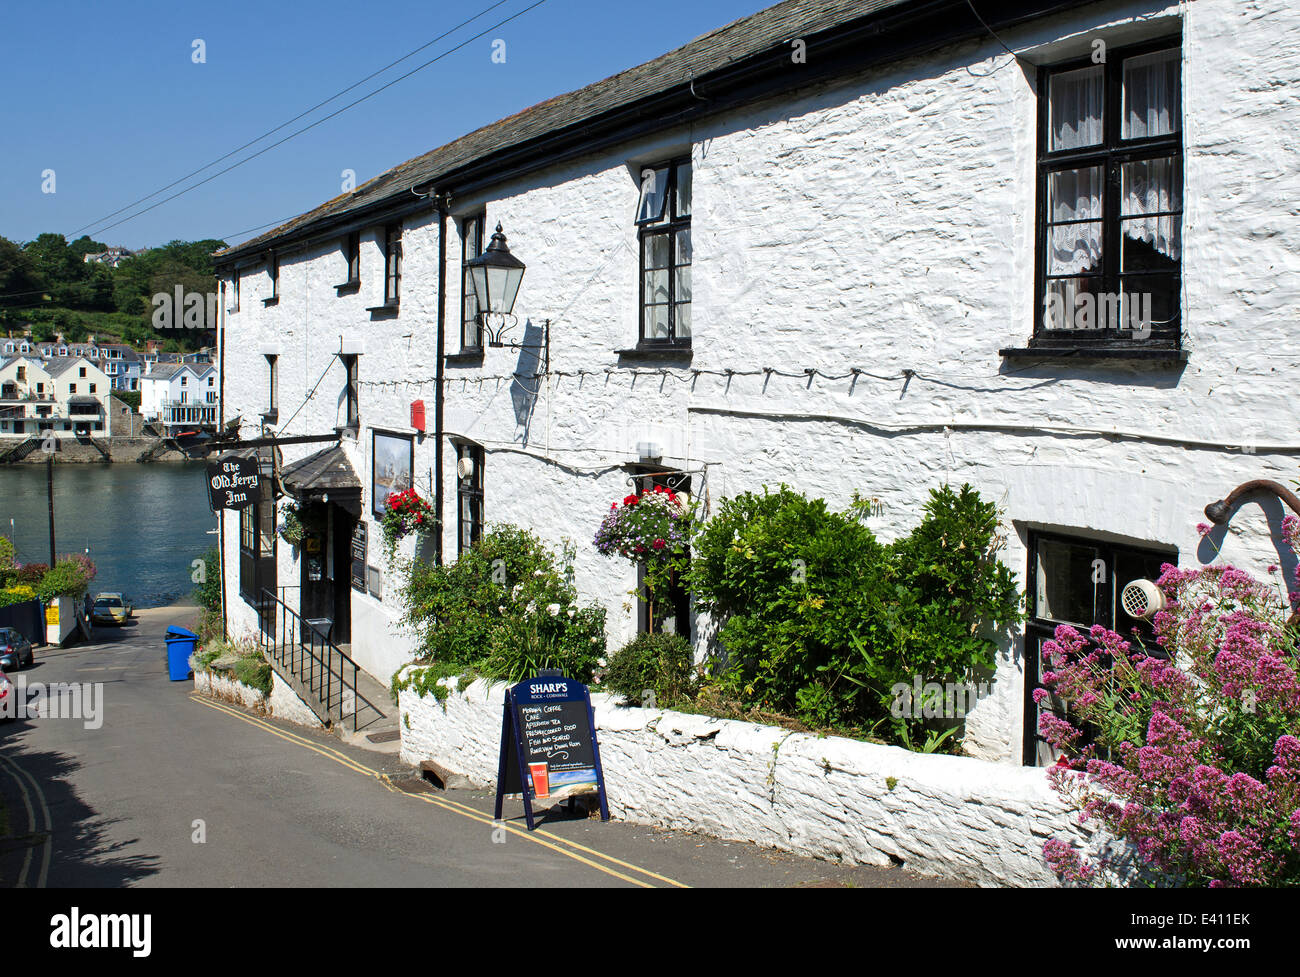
column 352, row 252
column 1078, row 582
column 469, row 496
column 92, row 388
column 234, row 291
column 392, row 264
column 273, row 273
column 664, row 218
column 72, row 388
column 272, row 382
column 471, row 246
column 81, row 372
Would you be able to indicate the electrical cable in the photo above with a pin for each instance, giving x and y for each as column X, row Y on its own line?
column 282, row 125
column 337, row 112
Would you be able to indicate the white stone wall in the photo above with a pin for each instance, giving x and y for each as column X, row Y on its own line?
column 885, row 222
column 828, row 797
column 282, row 703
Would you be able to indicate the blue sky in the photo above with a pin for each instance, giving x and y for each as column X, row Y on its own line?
column 107, row 96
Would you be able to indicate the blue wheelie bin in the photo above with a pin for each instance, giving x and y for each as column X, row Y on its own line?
column 181, row 644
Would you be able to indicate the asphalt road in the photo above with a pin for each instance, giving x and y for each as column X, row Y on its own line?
column 170, row 789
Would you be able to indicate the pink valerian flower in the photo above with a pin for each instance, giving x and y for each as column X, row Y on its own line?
column 1182, row 743
column 1066, row 862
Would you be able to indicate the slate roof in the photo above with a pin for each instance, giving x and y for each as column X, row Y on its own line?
column 163, row 371
column 767, row 29
column 63, row 365
column 327, row 470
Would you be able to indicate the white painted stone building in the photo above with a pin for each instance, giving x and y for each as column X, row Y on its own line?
column 869, row 184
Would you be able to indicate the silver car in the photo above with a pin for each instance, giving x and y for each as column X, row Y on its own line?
column 15, row 650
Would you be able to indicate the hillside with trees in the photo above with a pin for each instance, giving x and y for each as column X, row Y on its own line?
column 48, row 285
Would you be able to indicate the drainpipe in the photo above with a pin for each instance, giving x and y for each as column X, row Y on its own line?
column 438, row 391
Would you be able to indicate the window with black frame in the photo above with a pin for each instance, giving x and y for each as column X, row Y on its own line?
column 664, row 222
column 256, row 551
column 352, row 252
column 1110, row 200
column 670, row 613
column 392, row 264
column 471, row 246
column 1078, row 582
column 469, row 495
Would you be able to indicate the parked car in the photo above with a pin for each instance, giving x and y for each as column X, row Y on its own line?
column 7, row 710
column 110, row 609
column 15, row 649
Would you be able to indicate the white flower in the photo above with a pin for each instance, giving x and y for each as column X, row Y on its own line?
column 514, row 592
column 539, row 573
column 501, row 609
column 600, row 662
column 593, row 640
column 552, row 609
column 572, row 611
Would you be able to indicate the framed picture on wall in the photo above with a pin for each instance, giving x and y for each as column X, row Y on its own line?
column 392, row 457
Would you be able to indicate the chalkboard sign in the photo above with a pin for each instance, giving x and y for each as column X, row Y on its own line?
column 359, row 557
column 548, row 745
column 234, row 483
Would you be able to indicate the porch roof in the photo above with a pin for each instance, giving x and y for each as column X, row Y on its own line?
column 327, row 472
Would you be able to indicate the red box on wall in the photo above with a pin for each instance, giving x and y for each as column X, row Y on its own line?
column 417, row 415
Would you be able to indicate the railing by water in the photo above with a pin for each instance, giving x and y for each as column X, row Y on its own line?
column 320, row 666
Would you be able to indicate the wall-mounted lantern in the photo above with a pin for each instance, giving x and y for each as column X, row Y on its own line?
column 496, row 274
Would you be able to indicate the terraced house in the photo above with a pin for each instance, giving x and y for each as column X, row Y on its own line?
column 1045, row 248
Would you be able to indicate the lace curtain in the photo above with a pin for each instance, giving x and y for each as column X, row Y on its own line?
column 1075, row 108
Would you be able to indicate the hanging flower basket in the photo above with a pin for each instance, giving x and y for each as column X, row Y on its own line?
column 653, row 529
column 405, row 513
column 291, row 527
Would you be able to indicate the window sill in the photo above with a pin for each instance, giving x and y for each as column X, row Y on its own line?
column 1110, row 354
column 273, row 300
column 466, row 357
column 348, row 288
column 386, row 311
column 657, row 351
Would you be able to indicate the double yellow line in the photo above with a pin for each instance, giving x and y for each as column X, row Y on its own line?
column 641, row 877
column 31, row 790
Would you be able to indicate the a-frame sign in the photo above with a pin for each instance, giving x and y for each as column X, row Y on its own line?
column 548, row 744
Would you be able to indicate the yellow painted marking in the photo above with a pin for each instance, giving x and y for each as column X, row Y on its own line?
column 452, row 806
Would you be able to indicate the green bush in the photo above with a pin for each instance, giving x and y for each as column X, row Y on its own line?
column 69, row 577
column 820, row 621
column 208, row 593
column 661, row 663
column 505, row 607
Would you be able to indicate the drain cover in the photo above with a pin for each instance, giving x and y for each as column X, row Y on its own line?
column 385, row 737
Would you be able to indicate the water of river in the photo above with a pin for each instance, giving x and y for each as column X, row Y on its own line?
column 143, row 524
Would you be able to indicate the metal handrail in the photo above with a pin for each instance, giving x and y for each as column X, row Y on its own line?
column 309, row 656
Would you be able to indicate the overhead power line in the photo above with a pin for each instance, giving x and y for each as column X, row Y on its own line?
column 299, row 132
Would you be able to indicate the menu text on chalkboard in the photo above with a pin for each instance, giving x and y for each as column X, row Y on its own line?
column 548, row 745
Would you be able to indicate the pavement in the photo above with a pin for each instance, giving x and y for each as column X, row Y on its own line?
column 154, row 785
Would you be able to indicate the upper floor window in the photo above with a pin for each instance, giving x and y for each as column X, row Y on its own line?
column 1111, row 199
column 471, row 246
column 664, row 218
column 273, row 273
column 392, row 264
column 234, row 291
column 81, row 371
column 352, row 254
column 272, row 383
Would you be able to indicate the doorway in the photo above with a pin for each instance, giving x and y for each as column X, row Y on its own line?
column 326, row 568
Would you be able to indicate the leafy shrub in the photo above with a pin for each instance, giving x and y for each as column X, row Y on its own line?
column 662, row 663
column 29, row 573
column 208, row 593
column 70, row 577
column 505, row 607
column 821, row 621
column 1194, row 755
column 16, row 594
column 6, row 557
